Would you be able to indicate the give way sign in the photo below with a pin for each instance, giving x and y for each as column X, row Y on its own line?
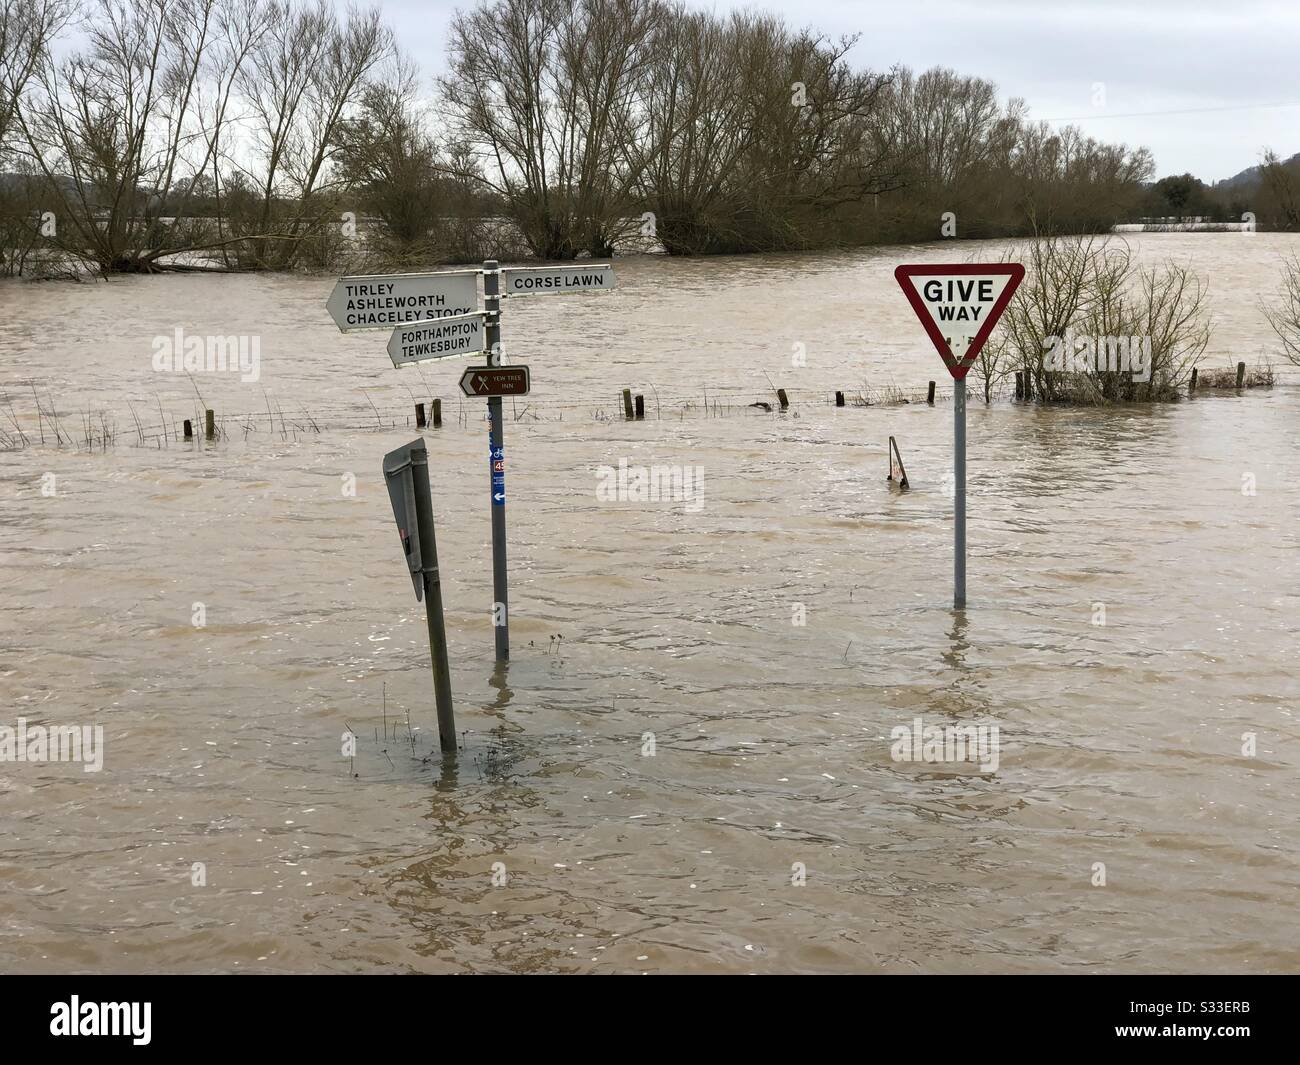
column 959, row 304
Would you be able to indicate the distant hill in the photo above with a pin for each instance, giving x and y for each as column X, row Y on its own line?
column 12, row 179
column 1249, row 176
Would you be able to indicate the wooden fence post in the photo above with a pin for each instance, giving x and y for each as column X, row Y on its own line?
column 1241, row 374
column 781, row 396
column 419, row 416
column 839, row 399
column 210, row 424
column 437, row 413
column 929, row 394
column 627, row 404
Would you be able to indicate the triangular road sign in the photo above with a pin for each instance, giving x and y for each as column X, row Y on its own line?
column 959, row 304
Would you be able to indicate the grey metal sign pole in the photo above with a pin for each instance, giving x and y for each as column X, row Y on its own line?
column 956, row 295
column 406, row 472
column 433, row 600
column 959, row 477
column 497, row 466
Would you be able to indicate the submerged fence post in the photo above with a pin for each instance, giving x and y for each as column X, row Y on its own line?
column 210, row 424
column 839, row 399
column 929, row 394
column 1191, row 385
column 189, row 430
column 627, row 404
column 640, row 407
column 781, row 397
column 1241, row 374
column 437, row 413
column 419, row 415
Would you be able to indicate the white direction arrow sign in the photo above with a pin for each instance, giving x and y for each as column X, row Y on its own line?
column 439, row 338
column 534, row 280
column 383, row 301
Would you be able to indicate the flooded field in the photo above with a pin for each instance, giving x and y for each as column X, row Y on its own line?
column 672, row 774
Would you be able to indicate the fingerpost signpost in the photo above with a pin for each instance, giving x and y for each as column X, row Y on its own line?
column 437, row 316
column 528, row 281
column 959, row 305
column 382, row 301
column 484, row 382
column 438, row 338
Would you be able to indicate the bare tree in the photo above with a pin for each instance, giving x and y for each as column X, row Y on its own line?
column 1284, row 316
column 183, row 133
column 1170, row 312
column 1281, row 185
column 304, row 74
column 697, row 130
column 813, row 154
column 388, row 155
column 126, row 133
column 108, row 127
column 242, row 25
column 544, row 93
column 26, row 29
column 1088, row 325
column 754, row 137
column 1063, row 278
column 991, row 171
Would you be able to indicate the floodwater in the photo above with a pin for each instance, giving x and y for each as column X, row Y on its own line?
column 671, row 775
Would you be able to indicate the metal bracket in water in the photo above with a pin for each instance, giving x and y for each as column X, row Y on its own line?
column 896, row 460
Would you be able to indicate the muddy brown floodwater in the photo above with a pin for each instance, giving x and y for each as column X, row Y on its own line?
column 226, row 833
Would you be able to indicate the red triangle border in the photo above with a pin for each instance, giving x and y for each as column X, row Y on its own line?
column 959, row 369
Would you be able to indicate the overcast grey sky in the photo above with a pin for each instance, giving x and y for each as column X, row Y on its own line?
column 1149, row 55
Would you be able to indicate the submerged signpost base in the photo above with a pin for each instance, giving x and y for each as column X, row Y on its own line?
column 407, row 472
